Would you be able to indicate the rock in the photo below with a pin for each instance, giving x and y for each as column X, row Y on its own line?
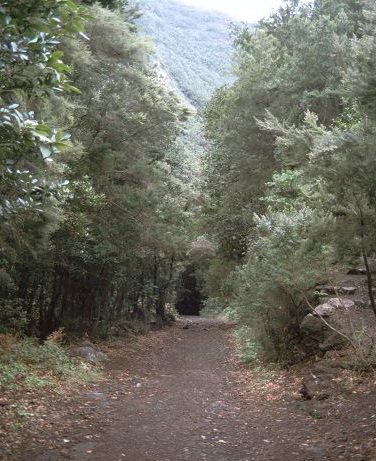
column 335, row 355
column 311, row 326
column 98, row 395
column 333, row 305
column 314, row 387
column 361, row 302
column 332, row 340
column 317, row 337
column 334, row 290
column 320, row 383
column 327, row 288
column 88, row 353
column 329, row 367
column 357, row 271
column 313, row 333
column 347, row 290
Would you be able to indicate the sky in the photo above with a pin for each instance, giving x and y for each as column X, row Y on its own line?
column 243, row 10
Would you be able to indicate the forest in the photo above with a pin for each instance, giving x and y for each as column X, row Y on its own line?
column 141, row 176
column 101, row 211
column 193, row 47
column 290, row 174
column 93, row 214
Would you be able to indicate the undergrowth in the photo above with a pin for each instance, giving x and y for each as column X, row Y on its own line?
column 247, row 349
column 27, row 364
column 250, row 353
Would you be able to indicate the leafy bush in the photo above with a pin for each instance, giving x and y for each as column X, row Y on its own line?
column 12, row 316
column 286, row 258
column 290, row 172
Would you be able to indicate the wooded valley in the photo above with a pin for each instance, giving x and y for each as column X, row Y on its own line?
column 113, row 196
column 102, row 206
column 157, row 160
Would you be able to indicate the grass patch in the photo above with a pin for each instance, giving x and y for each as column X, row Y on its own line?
column 27, row 364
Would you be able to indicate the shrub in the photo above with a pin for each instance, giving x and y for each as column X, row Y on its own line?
column 286, row 258
column 29, row 364
column 247, row 348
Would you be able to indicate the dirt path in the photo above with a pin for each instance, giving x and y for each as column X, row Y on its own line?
column 180, row 395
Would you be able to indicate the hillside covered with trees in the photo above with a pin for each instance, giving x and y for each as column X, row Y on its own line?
column 193, row 47
column 101, row 209
column 155, row 161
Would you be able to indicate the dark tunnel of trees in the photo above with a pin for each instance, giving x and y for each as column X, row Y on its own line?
column 189, row 296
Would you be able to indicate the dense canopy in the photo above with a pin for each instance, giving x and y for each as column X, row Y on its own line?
column 115, row 201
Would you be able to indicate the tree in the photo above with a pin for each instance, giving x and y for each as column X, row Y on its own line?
column 98, row 235
column 285, row 137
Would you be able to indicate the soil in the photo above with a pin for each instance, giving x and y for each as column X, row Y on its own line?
column 180, row 394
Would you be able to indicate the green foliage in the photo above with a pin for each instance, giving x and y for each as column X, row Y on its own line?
column 290, row 175
column 92, row 223
column 286, row 191
column 13, row 317
column 30, row 33
column 248, row 349
column 99, row 166
column 28, row 364
column 287, row 256
column 31, row 70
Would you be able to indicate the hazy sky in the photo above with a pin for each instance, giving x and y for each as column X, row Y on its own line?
column 244, row 10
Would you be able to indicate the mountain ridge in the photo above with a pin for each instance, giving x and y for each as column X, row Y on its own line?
column 193, row 47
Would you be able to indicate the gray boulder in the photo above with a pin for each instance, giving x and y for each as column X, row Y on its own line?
column 88, row 353
column 315, row 387
column 312, row 326
column 316, row 336
column 333, row 305
column 312, row 332
column 332, row 340
column 320, row 382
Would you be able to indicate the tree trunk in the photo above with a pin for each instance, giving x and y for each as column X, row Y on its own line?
column 369, row 281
